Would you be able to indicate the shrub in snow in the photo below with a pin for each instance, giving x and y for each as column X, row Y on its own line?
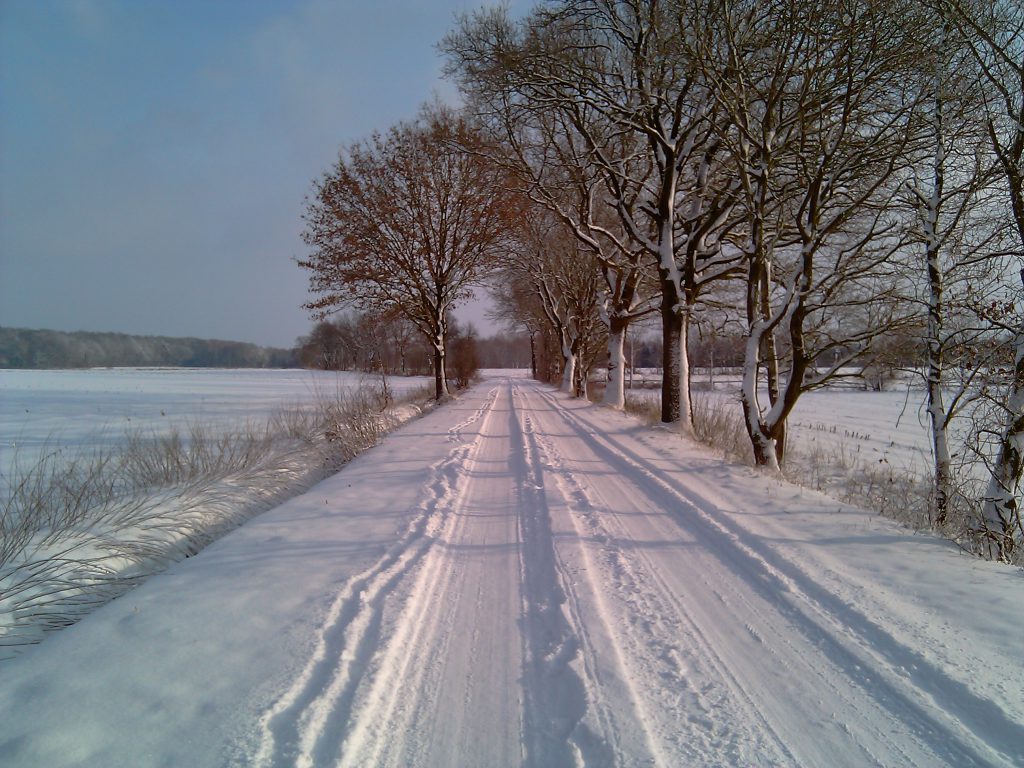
column 77, row 531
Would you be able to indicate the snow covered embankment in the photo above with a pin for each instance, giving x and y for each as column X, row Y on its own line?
column 77, row 532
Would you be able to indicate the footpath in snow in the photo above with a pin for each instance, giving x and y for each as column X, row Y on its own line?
column 521, row 579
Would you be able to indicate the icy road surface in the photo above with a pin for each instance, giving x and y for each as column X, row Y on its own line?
column 520, row 579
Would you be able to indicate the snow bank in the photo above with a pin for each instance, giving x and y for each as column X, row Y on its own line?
column 81, row 529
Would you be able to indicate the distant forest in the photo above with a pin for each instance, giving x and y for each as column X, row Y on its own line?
column 22, row 348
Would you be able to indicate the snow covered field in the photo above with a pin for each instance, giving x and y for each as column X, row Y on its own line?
column 71, row 411
column 114, row 474
column 863, row 426
column 41, row 411
column 520, row 579
column 857, row 424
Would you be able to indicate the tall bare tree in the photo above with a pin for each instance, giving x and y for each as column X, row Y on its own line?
column 553, row 161
column 993, row 34
column 550, row 276
column 818, row 121
column 955, row 233
column 407, row 221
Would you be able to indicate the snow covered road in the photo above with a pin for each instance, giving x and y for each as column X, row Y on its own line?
column 520, row 579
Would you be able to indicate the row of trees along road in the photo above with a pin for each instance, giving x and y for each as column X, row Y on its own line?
column 821, row 175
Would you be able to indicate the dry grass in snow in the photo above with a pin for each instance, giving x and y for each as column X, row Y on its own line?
column 78, row 529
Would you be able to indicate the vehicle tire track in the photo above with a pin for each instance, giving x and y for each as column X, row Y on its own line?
column 604, row 711
column 313, row 713
column 403, row 662
column 659, row 645
column 557, row 689
column 750, row 692
column 848, row 638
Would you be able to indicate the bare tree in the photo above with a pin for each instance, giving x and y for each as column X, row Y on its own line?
column 400, row 334
column 549, row 276
column 992, row 37
column 552, row 160
column 407, row 221
column 322, row 348
column 519, row 310
column 465, row 359
column 953, row 236
column 818, row 121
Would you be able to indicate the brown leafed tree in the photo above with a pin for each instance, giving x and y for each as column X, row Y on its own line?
column 406, row 222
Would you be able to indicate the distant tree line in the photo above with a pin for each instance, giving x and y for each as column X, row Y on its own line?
column 35, row 349
column 388, row 343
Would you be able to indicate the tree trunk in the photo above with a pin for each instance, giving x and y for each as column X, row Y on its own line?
column 770, row 350
column 711, row 368
column 582, row 377
column 440, row 378
column 685, row 402
column 1004, row 526
column 614, row 393
column 671, row 330
column 779, row 436
column 676, row 405
column 568, row 370
column 936, row 312
column 940, row 447
column 936, row 406
column 761, row 442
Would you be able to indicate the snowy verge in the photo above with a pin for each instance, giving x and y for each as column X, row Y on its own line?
column 869, row 449
column 78, row 531
column 523, row 579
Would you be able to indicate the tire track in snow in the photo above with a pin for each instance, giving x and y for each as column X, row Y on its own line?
column 862, row 650
column 604, row 710
column 312, row 715
column 658, row 646
column 882, row 650
column 403, row 664
column 749, row 692
column 555, row 696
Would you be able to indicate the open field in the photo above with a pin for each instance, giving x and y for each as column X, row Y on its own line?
column 110, row 475
column 854, row 424
column 43, row 411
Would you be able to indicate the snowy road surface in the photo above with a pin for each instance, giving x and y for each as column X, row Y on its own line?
column 520, row 579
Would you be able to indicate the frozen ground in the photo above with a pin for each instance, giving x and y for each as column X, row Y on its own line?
column 41, row 411
column 845, row 425
column 519, row 579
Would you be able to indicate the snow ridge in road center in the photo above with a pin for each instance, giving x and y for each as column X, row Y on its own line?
column 555, row 694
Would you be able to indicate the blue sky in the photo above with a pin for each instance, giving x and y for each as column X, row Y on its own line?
column 154, row 154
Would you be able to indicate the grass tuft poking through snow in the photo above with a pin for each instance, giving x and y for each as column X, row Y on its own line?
column 79, row 529
column 844, row 467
